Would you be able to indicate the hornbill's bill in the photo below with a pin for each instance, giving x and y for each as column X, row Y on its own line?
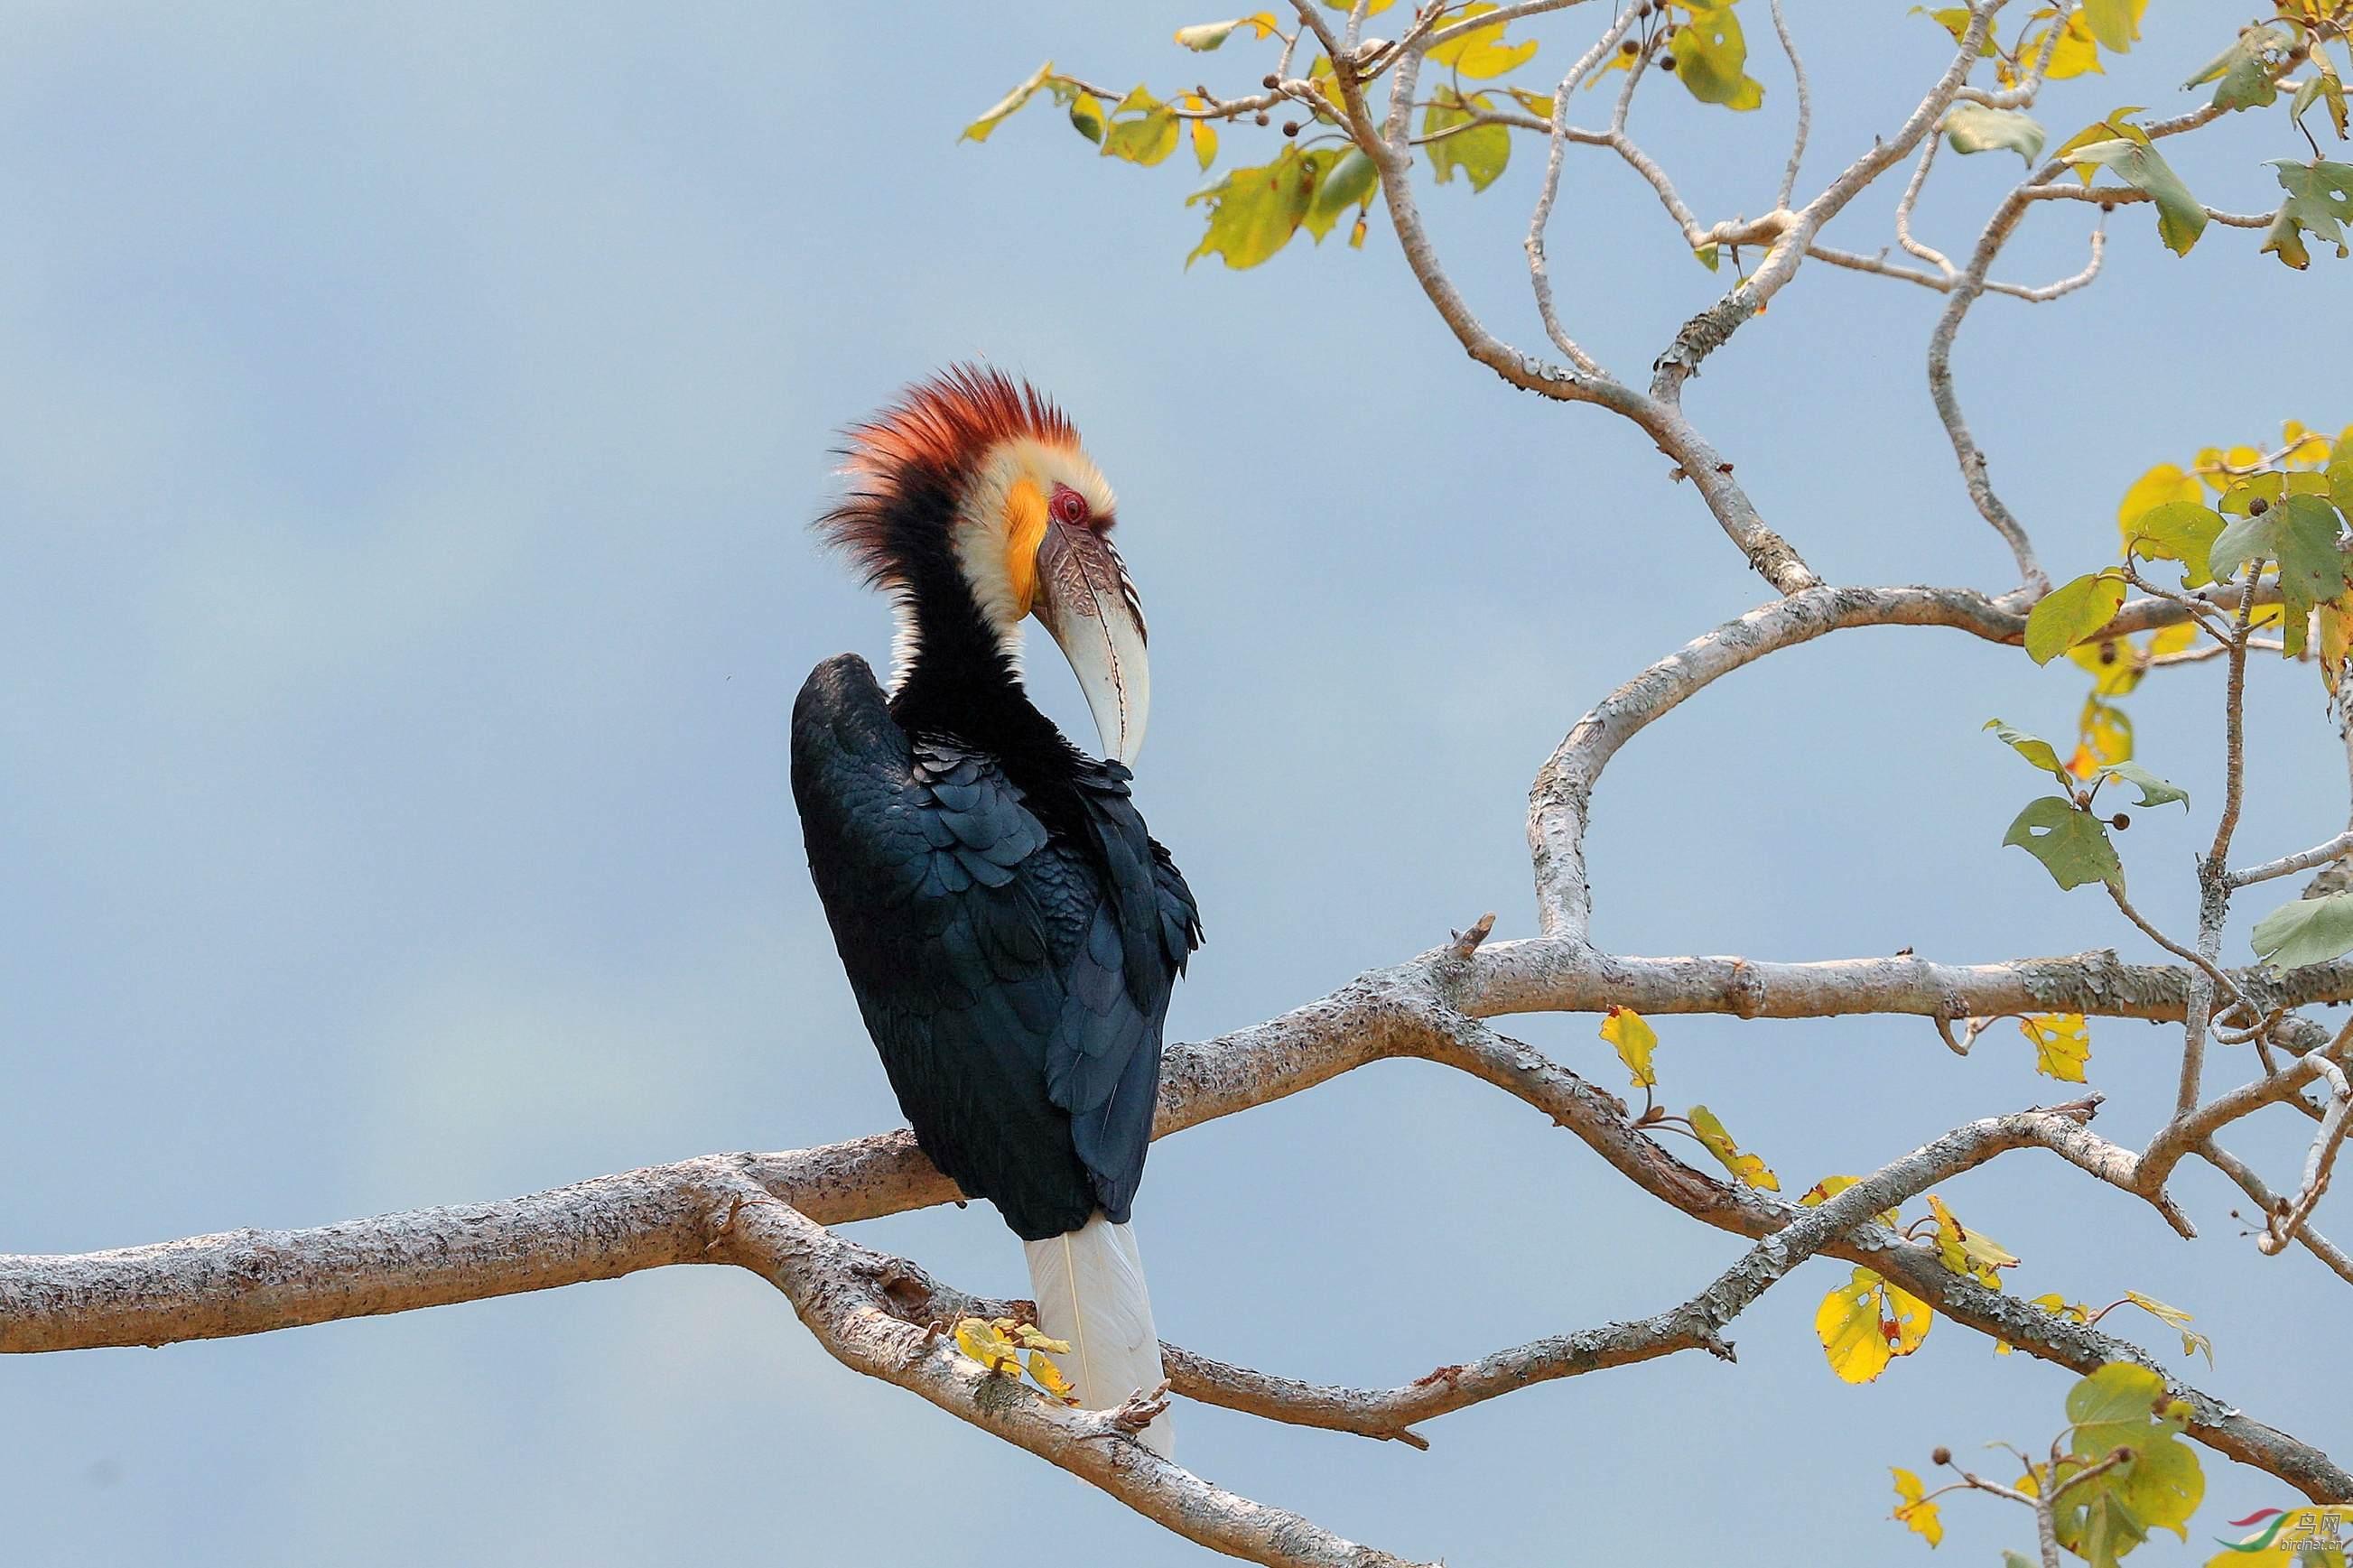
column 1010, row 930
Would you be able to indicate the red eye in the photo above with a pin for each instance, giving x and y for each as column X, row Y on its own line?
column 1069, row 507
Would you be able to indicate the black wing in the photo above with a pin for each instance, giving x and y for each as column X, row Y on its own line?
column 1014, row 982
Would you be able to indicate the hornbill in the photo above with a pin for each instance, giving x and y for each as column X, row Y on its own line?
column 1010, row 930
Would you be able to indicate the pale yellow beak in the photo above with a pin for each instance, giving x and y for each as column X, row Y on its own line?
column 1084, row 599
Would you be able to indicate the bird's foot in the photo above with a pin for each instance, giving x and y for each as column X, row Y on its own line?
column 1139, row 1409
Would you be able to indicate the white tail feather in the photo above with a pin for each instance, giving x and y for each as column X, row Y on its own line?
column 1090, row 1289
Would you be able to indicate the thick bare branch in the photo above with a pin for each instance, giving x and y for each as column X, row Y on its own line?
column 1557, row 803
column 844, row 1295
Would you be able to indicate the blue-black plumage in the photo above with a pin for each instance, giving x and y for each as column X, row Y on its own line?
column 1009, row 928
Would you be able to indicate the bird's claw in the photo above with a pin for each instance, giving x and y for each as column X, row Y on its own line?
column 1139, row 1409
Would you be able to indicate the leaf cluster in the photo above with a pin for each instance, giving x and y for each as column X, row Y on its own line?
column 2278, row 522
column 2117, row 1473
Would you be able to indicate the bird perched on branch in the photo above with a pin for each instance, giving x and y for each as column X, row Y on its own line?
column 1010, row 930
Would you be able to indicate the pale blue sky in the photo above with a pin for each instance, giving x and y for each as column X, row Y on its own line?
column 408, row 418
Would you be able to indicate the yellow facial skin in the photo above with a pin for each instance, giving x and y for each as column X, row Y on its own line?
column 1025, row 516
column 1003, row 521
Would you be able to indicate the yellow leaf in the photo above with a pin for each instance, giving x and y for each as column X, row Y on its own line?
column 2245, row 460
column 2113, row 663
column 1906, row 1321
column 1847, row 1322
column 2104, row 738
column 1205, row 136
column 1209, row 35
column 2166, row 483
column 1915, row 1510
column 1828, row 1187
column 1748, row 1168
column 987, row 1344
column 1048, row 1376
column 1481, row 53
column 2173, row 640
column 2058, row 1305
column 2062, row 1044
column 2303, row 445
column 1538, row 106
column 1635, row 1040
column 2179, row 1320
column 2336, row 641
column 2077, row 53
column 1866, row 1323
column 1320, row 73
column 1034, row 1337
column 979, row 129
column 1966, row 1251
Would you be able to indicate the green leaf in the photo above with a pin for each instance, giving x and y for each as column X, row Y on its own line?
column 1956, row 21
column 2093, row 1522
column 2115, row 22
column 2240, row 499
column 2105, row 1516
column 2114, row 127
column 2312, row 571
column 2319, row 202
column 1480, row 151
column 2245, row 70
column 1317, row 219
column 2179, row 217
column 2177, row 530
column 2285, row 240
column 1708, row 256
column 2066, row 615
column 2033, row 748
column 1208, row 36
column 2072, row 844
column 2309, row 931
column 2012, row 1560
column 1481, row 53
column 1712, row 58
column 2163, row 1485
column 2250, row 539
column 1351, row 182
column 2112, row 1408
column 1254, row 212
column 2326, row 86
column 1145, row 140
column 1087, row 114
column 979, row 129
column 1974, row 128
column 2153, row 791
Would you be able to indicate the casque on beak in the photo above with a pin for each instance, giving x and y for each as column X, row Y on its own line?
column 1085, row 600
